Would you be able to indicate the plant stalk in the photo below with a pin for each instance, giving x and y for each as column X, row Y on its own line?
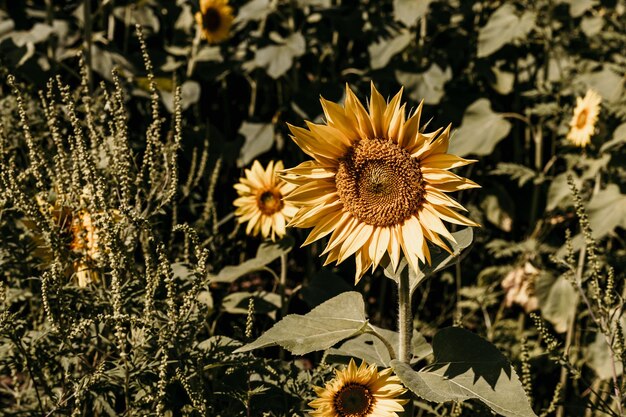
column 405, row 328
column 405, row 318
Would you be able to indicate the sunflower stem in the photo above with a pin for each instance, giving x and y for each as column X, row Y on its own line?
column 390, row 349
column 405, row 329
column 405, row 318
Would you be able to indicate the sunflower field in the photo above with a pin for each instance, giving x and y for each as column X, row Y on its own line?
column 317, row 208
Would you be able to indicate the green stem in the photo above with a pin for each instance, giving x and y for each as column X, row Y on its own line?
column 374, row 332
column 283, row 285
column 405, row 318
column 405, row 328
column 87, row 17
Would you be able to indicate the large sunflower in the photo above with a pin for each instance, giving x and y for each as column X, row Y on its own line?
column 261, row 203
column 376, row 183
column 215, row 19
column 359, row 392
column 583, row 123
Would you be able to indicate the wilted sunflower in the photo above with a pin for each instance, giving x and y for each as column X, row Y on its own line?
column 215, row 19
column 261, row 203
column 85, row 241
column 376, row 183
column 77, row 227
column 359, row 392
column 583, row 123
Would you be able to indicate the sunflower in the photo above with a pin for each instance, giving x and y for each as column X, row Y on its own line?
column 359, row 392
column 377, row 184
column 214, row 19
column 582, row 125
column 77, row 228
column 261, row 203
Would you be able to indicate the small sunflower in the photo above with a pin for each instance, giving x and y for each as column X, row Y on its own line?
column 360, row 392
column 376, row 183
column 214, row 19
column 583, row 123
column 261, row 203
column 77, row 228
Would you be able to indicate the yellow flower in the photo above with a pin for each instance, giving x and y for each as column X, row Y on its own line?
column 215, row 19
column 376, row 183
column 583, row 123
column 261, row 203
column 359, row 392
column 76, row 228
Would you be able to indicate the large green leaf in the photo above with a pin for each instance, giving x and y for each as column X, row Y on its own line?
column 480, row 131
column 466, row 366
column 598, row 354
column 277, row 59
column 503, row 27
column 259, row 139
column 372, row 350
column 264, row 302
column 382, row 51
column 619, row 137
column 333, row 321
column 606, row 82
column 409, row 11
column 607, row 210
column 425, row 85
column 267, row 252
column 557, row 300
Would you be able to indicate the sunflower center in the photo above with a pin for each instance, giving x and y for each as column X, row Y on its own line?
column 211, row 19
column 581, row 120
column 379, row 183
column 354, row 400
column 269, row 201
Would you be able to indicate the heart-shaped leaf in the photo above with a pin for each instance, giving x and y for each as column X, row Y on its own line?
column 333, row 321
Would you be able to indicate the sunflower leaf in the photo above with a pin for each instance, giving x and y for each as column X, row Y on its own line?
column 481, row 130
column 466, row 366
column 372, row 350
column 333, row 321
column 267, row 252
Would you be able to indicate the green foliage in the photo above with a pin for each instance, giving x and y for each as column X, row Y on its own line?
column 151, row 148
column 467, row 366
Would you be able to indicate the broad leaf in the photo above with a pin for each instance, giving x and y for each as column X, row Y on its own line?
column 382, row 52
column 333, row 321
column 466, row 366
column 598, row 354
column 607, row 210
column 409, row 11
column 480, row 131
column 264, row 302
column 372, row 350
column 254, row 10
column 259, row 139
column 559, row 193
column 619, row 136
column 427, row 85
column 267, row 252
column 557, row 300
column 503, row 27
column 606, row 82
column 277, row 59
